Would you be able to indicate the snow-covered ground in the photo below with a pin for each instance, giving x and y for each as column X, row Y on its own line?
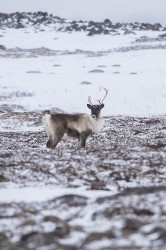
column 112, row 193
column 80, row 66
column 14, row 194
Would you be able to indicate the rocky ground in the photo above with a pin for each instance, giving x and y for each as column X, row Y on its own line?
column 127, row 159
column 43, row 19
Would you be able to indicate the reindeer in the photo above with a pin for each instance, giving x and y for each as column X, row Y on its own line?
column 73, row 126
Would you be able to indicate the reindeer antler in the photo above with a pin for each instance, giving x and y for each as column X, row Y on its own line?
column 99, row 101
column 89, row 100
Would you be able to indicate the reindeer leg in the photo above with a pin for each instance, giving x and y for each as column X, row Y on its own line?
column 48, row 144
column 53, row 140
column 82, row 139
column 57, row 137
column 56, row 141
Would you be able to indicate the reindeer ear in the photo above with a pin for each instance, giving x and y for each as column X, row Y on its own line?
column 101, row 106
column 89, row 106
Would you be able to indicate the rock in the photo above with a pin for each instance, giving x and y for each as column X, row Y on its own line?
column 95, row 31
column 157, row 26
column 2, row 47
column 56, row 65
column 19, row 26
column 97, row 28
column 148, row 26
column 62, row 231
column 33, row 72
column 2, row 237
column 133, row 191
column 91, row 23
column 116, row 65
column 72, row 200
column 132, row 225
column 117, row 26
column 85, row 83
column 90, row 33
column 98, row 236
column 107, row 23
column 96, row 71
column 162, row 35
column 3, row 178
column 101, row 66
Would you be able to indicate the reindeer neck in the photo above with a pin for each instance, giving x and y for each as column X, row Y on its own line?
column 99, row 117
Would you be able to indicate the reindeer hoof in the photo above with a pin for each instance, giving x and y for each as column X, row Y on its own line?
column 48, row 144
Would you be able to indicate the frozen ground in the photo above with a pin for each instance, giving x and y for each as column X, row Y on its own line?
column 61, row 70
column 110, row 195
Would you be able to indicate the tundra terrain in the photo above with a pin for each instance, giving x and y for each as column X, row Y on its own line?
column 110, row 195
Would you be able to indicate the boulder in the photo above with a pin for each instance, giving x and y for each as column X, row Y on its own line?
column 162, row 35
column 2, row 47
column 107, row 23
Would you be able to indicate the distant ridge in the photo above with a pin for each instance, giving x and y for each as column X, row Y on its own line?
column 40, row 20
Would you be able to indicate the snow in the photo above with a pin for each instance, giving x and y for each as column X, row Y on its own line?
column 31, row 38
column 36, row 82
column 135, row 79
column 40, row 194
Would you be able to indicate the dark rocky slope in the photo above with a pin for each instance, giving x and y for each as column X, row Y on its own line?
column 40, row 19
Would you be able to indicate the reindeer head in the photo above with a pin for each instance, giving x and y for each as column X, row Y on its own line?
column 95, row 109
